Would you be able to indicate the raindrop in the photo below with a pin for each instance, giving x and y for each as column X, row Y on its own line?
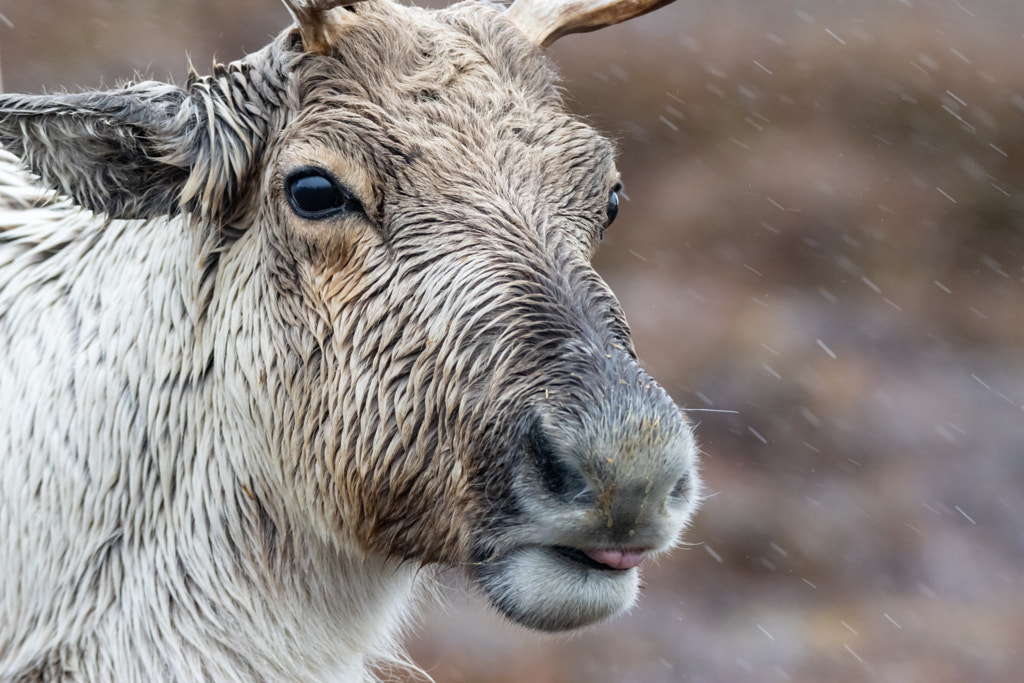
column 637, row 256
column 756, row 434
column 855, row 655
column 713, row 554
column 838, row 39
column 960, row 101
column 966, row 516
column 827, row 295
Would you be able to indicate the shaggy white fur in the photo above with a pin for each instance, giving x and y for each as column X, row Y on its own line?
column 275, row 341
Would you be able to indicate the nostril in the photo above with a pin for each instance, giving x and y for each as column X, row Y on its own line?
column 682, row 487
column 558, row 475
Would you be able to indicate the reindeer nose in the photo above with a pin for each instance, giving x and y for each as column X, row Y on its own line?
column 625, row 460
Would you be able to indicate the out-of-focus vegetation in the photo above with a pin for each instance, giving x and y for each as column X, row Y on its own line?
column 825, row 235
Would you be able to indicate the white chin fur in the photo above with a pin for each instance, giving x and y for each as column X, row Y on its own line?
column 540, row 589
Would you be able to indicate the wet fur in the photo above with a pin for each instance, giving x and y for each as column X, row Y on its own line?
column 231, row 438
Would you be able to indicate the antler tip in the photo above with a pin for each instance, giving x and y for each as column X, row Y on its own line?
column 545, row 22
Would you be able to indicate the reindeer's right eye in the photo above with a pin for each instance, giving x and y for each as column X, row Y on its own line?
column 314, row 194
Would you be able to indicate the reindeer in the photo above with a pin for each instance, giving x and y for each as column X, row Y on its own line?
column 276, row 343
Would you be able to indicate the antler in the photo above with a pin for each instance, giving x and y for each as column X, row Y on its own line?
column 315, row 20
column 545, row 21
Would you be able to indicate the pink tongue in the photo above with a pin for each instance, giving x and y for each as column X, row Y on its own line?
column 617, row 559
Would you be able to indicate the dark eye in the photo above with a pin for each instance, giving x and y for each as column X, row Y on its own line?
column 613, row 206
column 315, row 194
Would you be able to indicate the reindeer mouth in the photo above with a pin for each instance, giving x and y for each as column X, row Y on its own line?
column 579, row 557
column 601, row 559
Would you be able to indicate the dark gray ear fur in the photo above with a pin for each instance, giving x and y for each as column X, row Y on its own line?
column 99, row 147
column 144, row 150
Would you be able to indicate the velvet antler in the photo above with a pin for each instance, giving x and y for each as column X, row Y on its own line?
column 545, row 21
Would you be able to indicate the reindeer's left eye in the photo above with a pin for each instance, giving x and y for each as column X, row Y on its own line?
column 314, row 194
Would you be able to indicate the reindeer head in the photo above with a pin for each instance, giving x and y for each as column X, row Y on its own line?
column 416, row 357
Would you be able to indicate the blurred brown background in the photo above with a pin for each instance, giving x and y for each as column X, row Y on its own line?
column 825, row 237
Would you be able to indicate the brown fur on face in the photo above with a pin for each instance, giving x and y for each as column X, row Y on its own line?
column 451, row 139
column 336, row 319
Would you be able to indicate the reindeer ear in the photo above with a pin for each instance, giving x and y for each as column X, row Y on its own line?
column 101, row 148
column 318, row 20
column 545, row 21
column 138, row 152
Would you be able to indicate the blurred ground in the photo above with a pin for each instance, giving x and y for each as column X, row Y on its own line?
column 825, row 236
